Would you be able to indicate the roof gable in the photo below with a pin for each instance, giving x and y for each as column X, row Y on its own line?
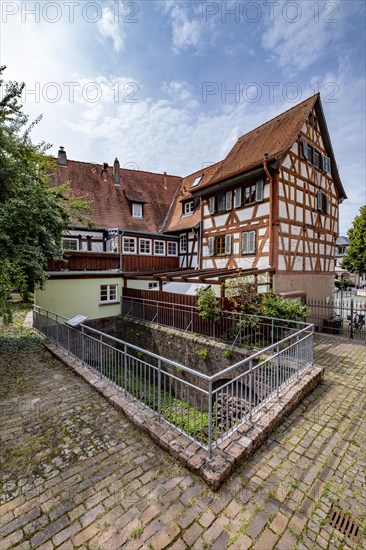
column 110, row 204
column 274, row 137
column 175, row 220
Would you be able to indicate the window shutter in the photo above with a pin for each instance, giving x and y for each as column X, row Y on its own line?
column 326, row 204
column 319, row 201
column 229, row 200
column 251, row 246
column 244, row 246
column 237, row 197
column 211, row 246
column 259, row 188
column 212, row 205
column 305, row 149
column 227, row 244
column 326, row 163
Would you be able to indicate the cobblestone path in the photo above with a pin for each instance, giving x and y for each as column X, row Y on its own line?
column 77, row 474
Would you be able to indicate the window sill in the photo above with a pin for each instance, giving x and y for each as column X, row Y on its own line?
column 108, row 303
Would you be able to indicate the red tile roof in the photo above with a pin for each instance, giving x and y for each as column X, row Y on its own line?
column 273, row 137
column 175, row 220
column 109, row 204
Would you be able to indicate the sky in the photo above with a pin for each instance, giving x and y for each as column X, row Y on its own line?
column 170, row 85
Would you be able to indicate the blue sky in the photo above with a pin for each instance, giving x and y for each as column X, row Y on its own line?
column 170, row 85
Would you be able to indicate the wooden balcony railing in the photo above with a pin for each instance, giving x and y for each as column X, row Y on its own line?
column 101, row 261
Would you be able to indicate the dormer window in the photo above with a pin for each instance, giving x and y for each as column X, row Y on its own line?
column 188, row 208
column 136, row 210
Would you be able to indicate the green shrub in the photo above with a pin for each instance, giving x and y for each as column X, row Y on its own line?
column 282, row 308
column 228, row 353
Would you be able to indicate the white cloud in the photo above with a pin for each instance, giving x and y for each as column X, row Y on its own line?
column 110, row 28
column 297, row 45
column 179, row 91
column 187, row 31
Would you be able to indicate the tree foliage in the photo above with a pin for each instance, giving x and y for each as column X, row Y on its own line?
column 355, row 258
column 208, row 305
column 33, row 216
column 246, row 299
column 242, row 295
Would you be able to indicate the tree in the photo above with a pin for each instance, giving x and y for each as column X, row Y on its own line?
column 242, row 295
column 33, row 215
column 355, row 258
column 208, row 304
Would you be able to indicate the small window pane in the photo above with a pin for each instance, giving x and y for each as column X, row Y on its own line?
column 129, row 245
column 136, row 210
column 183, row 242
column 159, row 248
column 145, row 246
column 172, row 249
column 70, row 244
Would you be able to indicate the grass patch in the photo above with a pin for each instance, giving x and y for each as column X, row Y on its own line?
column 180, row 413
column 15, row 338
column 137, row 531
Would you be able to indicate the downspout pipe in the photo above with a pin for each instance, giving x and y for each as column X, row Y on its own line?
column 270, row 222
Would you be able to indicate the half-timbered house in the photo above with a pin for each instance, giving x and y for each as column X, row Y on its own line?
column 273, row 203
column 269, row 209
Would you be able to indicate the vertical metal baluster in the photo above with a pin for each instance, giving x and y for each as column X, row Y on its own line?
column 159, row 390
column 209, row 420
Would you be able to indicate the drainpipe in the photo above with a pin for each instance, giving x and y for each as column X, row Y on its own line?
column 270, row 222
column 120, row 251
column 199, row 241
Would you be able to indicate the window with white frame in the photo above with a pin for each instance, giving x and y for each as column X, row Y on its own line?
column 152, row 286
column 145, row 246
column 70, row 244
column 183, row 242
column 248, row 242
column 159, row 248
column 129, row 245
column 172, row 248
column 108, row 293
column 136, row 210
column 188, row 208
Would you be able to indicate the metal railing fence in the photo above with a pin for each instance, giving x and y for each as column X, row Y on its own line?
column 207, row 409
column 344, row 317
column 234, row 328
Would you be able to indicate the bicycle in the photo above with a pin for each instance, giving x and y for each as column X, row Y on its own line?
column 357, row 323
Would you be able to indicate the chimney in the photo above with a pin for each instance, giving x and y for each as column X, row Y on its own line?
column 165, row 181
column 116, row 172
column 105, row 171
column 62, row 158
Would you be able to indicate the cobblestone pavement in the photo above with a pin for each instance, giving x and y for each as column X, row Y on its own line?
column 77, row 474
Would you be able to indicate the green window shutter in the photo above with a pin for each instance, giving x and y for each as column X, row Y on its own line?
column 229, row 200
column 326, row 204
column 212, row 205
column 326, row 163
column 227, row 244
column 259, row 190
column 211, row 246
column 244, row 244
column 319, row 201
column 237, row 197
column 251, row 244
